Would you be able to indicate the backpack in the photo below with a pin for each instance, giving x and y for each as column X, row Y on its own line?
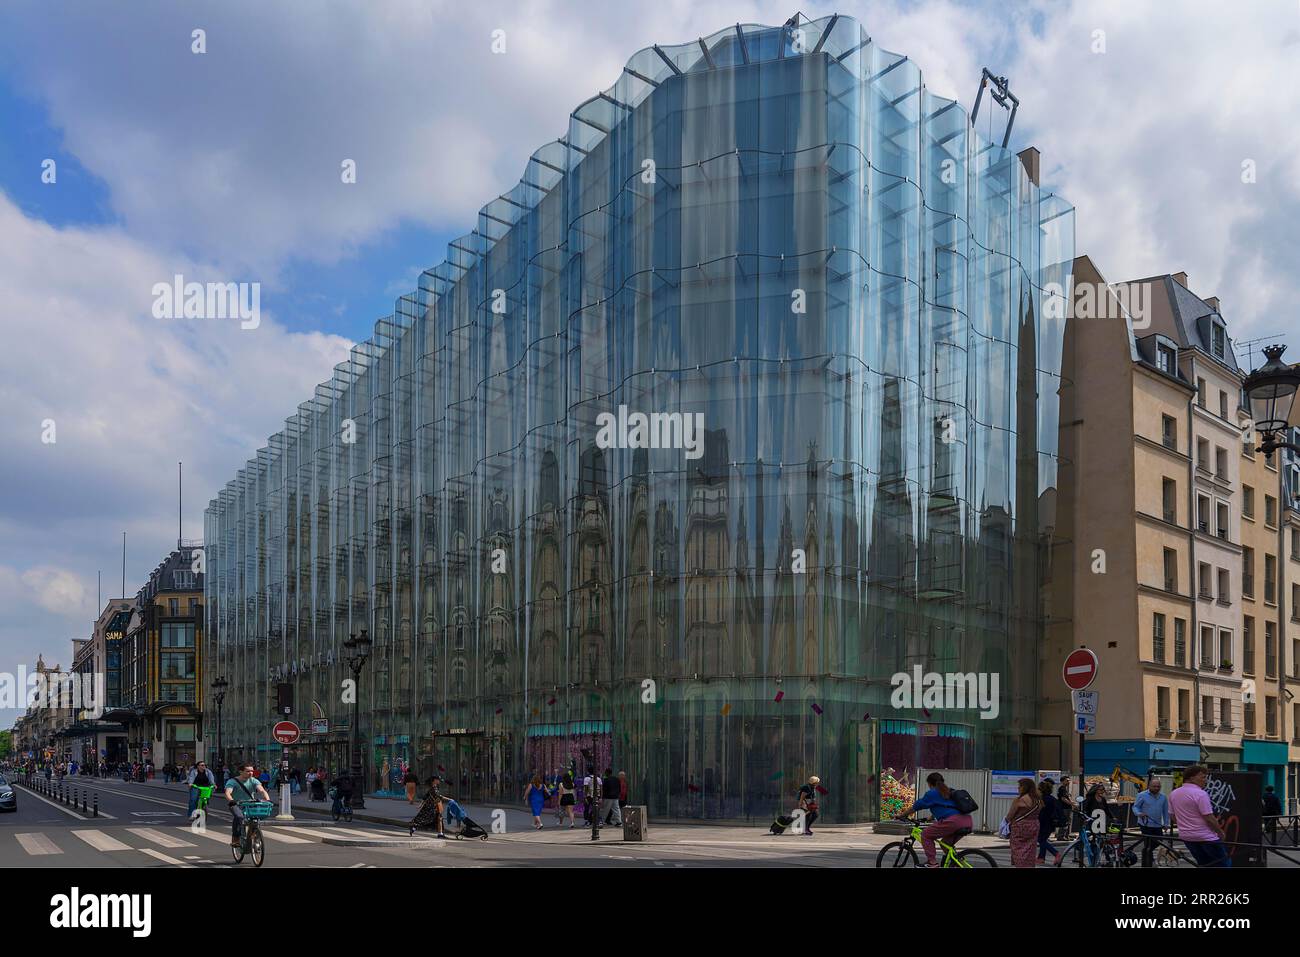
column 962, row 801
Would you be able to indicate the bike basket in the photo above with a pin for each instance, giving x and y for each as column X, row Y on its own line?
column 256, row 810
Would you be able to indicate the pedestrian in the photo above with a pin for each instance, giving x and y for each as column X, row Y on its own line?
column 947, row 819
column 412, row 782
column 1151, row 808
column 586, row 797
column 343, row 788
column 567, row 797
column 535, row 798
column 609, row 803
column 1048, row 816
column 1272, row 811
column 1198, row 827
column 1021, row 824
column 622, row 789
column 1064, row 805
column 1093, row 801
column 430, row 813
column 808, row 803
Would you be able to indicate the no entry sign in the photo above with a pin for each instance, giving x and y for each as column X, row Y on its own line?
column 1080, row 669
column 285, row 732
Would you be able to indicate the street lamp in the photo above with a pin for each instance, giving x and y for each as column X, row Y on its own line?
column 1271, row 391
column 219, row 687
column 355, row 652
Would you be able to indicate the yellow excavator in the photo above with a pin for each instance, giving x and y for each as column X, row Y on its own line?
column 1122, row 774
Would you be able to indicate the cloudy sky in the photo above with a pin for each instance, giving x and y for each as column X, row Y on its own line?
column 226, row 166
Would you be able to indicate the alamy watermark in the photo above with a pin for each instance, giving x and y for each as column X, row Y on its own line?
column 655, row 430
column 179, row 299
column 1100, row 300
column 82, row 691
column 951, row 690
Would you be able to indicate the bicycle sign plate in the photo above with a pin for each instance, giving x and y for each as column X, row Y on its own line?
column 1084, row 702
column 285, row 732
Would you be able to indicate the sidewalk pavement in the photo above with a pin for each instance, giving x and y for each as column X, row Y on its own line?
column 396, row 812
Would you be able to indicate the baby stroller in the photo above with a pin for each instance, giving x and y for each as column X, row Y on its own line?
column 466, row 827
column 318, row 790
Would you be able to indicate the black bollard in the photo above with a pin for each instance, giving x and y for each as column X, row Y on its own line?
column 96, row 804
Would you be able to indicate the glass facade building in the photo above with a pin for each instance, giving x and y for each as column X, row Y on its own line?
column 775, row 232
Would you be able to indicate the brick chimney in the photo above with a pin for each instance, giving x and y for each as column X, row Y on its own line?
column 1213, row 302
column 1181, row 279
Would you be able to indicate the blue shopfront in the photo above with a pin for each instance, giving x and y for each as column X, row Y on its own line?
column 1139, row 757
column 1270, row 759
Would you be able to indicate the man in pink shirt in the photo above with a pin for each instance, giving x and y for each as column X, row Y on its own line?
column 1192, row 813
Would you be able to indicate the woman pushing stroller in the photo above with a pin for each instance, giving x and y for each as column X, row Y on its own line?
column 438, row 807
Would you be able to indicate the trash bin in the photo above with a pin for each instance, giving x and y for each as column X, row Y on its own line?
column 635, row 823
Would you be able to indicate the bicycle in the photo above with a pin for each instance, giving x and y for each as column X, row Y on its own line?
column 250, row 840
column 903, row 853
column 342, row 807
column 1166, row 853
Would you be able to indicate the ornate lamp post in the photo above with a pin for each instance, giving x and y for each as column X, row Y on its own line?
column 1271, row 390
column 355, row 652
column 219, row 686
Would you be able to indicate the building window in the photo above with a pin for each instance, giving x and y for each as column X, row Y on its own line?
column 1204, row 582
column 1169, row 431
column 1223, row 520
column 1270, row 511
column 1225, row 587
column 1203, row 514
column 1203, row 454
column 1171, row 570
column 1207, row 711
column 1270, row 649
column 174, row 607
column 178, row 634
column 1207, row 646
column 1162, row 708
column 1225, row 649
column 1248, row 572
column 1247, row 501
column 1247, row 645
column 1184, row 710
column 1221, row 462
column 1166, row 358
column 1295, row 602
column 1225, row 714
column 1270, row 716
column 1158, row 638
column 1270, row 578
column 1169, row 500
column 1180, row 642
column 1217, row 338
column 1223, row 404
column 1248, row 716
column 1295, row 544
column 1200, row 392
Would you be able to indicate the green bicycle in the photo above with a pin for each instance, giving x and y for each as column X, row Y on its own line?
column 205, row 795
column 903, row 853
column 250, row 840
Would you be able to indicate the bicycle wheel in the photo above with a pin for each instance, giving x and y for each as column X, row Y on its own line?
column 258, row 848
column 237, row 852
column 976, row 858
column 897, row 854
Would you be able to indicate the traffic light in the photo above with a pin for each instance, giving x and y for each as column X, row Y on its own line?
column 284, row 698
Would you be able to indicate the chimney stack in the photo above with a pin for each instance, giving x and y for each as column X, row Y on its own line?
column 1213, row 302
column 1181, row 279
column 1029, row 158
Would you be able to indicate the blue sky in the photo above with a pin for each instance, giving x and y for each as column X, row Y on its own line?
column 225, row 166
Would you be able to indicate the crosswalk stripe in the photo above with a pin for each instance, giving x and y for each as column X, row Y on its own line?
column 101, row 841
column 269, row 833
column 354, row 832
column 159, row 855
column 37, row 844
column 158, row 837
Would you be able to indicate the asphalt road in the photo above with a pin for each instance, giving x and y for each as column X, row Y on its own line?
column 142, row 826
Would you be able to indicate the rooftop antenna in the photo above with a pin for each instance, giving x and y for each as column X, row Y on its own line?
column 1001, row 93
column 124, row 564
column 1248, row 344
column 179, row 498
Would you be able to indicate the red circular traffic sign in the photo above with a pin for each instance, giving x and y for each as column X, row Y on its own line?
column 286, row 732
column 1080, row 669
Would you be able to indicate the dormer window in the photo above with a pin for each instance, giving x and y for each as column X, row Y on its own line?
column 1218, row 340
column 1166, row 358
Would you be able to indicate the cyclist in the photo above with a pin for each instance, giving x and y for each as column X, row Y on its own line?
column 200, row 777
column 243, row 788
column 947, row 819
column 1198, row 826
column 342, row 791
